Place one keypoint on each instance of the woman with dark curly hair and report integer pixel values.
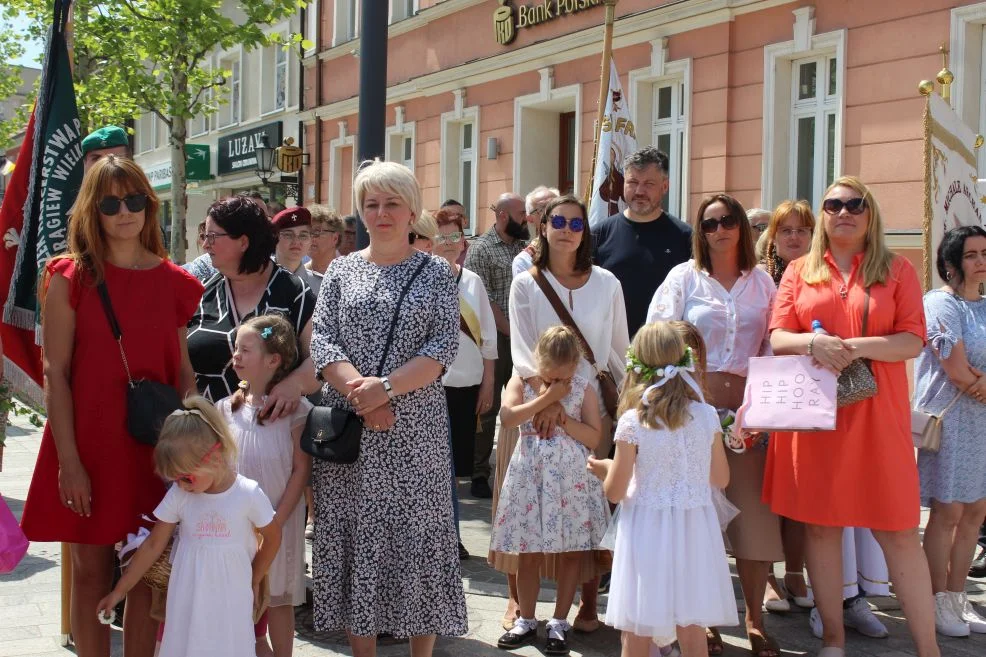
(240, 239)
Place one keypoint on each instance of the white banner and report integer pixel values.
(953, 194)
(617, 139)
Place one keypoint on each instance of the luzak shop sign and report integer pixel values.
(507, 19)
(237, 152)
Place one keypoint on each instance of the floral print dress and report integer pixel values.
(550, 502)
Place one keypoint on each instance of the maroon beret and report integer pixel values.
(292, 217)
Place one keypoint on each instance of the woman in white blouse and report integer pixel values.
(729, 299)
(469, 381)
(594, 299)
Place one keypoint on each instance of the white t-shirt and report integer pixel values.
(733, 324)
(467, 369)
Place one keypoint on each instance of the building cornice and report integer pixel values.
(630, 30)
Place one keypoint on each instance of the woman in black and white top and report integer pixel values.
(241, 240)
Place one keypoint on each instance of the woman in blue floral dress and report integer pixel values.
(953, 480)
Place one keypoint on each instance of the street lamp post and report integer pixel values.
(372, 92)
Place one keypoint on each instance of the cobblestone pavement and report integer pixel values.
(30, 599)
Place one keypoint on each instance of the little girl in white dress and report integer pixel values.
(549, 502)
(217, 568)
(670, 571)
(270, 452)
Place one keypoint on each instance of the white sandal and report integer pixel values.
(803, 602)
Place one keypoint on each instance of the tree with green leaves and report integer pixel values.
(10, 81)
(136, 57)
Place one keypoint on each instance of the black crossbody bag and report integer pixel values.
(149, 403)
(333, 434)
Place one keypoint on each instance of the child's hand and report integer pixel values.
(558, 390)
(106, 606)
(599, 467)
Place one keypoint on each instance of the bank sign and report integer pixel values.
(198, 163)
(237, 152)
(508, 19)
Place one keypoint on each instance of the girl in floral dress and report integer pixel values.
(549, 502)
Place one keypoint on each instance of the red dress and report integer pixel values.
(863, 474)
(151, 305)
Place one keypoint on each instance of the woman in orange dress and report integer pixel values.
(862, 474)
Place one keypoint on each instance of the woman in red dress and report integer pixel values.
(93, 481)
(862, 474)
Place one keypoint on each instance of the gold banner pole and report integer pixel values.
(603, 92)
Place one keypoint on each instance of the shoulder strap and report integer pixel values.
(104, 297)
(866, 311)
(464, 327)
(561, 311)
(397, 309)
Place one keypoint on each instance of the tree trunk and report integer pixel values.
(179, 194)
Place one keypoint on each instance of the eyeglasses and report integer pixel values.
(450, 238)
(288, 236)
(761, 227)
(210, 238)
(318, 233)
(711, 225)
(792, 232)
(412, 237)
(576, 224)
(853, 206)
(110, 205)
(189, 478)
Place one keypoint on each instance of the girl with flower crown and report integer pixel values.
(670, 574)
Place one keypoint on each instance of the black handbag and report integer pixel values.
(333, 434)
(149, 403)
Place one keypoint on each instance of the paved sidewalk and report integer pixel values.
(30, 599)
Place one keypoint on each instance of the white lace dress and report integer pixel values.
(549, 501)
(669, 564)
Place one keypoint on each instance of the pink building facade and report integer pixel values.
(762, 99)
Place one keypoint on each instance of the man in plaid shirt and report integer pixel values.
(490, 256)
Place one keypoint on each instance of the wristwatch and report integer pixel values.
(388, 388)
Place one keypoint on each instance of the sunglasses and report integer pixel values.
(576, 225)
(853, 206)
(451, 238)
(412, 237)
(189, 478)
(711, 225)
(110, 205)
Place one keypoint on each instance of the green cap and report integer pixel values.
(106, 137)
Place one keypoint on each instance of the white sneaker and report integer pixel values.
(860, 617)
(947, 620)
(963, 608)
(815, 623)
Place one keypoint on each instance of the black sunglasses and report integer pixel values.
(110, 205)
(728, 222)
(412, 237)
(576, 224)
(854, 205)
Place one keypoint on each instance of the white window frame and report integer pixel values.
(643, 85)
(778, 109)
(344, 140)
(235, 85)
(312, 24)
(402, 9)
(345, 21)
(968, 61)
(549, 99)
(269, 65)
(397, 135)
(147, 133)
(452, 152)
(820, 108)
(202, 119)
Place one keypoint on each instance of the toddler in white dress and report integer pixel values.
(670, 572)
(217, 568)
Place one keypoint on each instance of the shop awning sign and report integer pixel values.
(237, 152)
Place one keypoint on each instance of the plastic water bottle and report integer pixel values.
(816, 327)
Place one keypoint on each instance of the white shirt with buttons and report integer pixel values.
(733, 323)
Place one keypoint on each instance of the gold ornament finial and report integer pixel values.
(945, 77)
(979, 141)
(926, 87)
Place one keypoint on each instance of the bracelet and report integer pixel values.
(811, 343)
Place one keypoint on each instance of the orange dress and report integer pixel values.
(863, 474)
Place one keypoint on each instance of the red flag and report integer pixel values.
(22, 357)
